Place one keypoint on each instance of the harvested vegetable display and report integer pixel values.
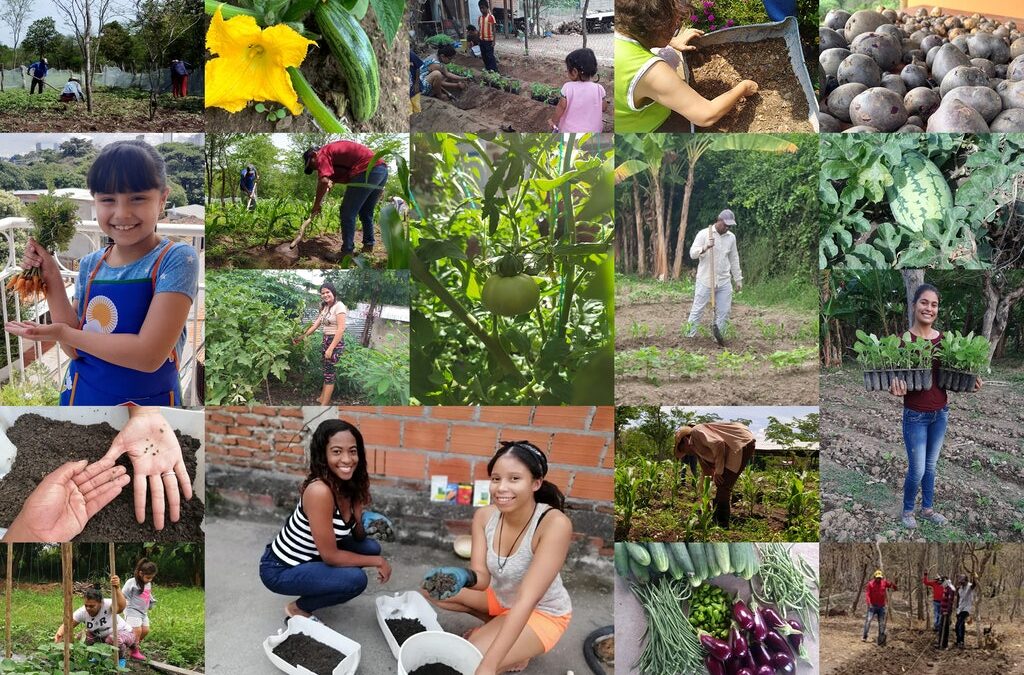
(55, 221)
(792, 586)
(709, 610)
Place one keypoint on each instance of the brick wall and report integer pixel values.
(406, 446)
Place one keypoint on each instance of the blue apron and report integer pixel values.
(119, 306)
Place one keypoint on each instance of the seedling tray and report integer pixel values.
(408, 605)
(320, 633)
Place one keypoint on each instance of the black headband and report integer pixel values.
(541, 459)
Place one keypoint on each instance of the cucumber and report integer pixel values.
(714, 566)
(678, 552)
(621, 560)
(638, 553)
(700, 562)
(738, 557)
(674, 567)
(356, 58)
(639, 571)
(659, 557)
(722, 551)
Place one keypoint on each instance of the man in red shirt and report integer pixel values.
(348, 162)
(485, 27)
(875, 594)
(937, 592)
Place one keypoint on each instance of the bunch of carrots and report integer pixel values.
(55, 221)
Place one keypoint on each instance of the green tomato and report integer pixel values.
(510, 296)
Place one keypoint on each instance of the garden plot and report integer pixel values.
(979, 486)
(112, 110)
(908, 652)
(769, 356)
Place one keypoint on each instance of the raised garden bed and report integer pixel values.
(301, 650)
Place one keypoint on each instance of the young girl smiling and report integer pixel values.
(125, 329)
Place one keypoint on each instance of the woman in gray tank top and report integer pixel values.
(512, 584)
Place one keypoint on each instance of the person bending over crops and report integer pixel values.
(722, 245)
(319, 553)
(876, 595)
(582, 103)
(138, 593)
(648, 88)
(125, 329)
(513, 584)
(348, 162)
(723, 449)
(72, 91)
(435, 80)
(925, 414)
(331, 318)
(96, 614)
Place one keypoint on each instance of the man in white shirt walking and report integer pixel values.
(721, 243)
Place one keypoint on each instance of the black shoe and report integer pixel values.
(367, 248)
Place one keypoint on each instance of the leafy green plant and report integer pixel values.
(770, 331)
(456, 69)
(869, 350)
(734, 362)
(440, 39)
(49, 658)
(749, 488)
(381, 374)
(918, 352)
(638, 330)
(964, 352)
(34, 387)
(791, 358)
(273, 114)
(542, 92)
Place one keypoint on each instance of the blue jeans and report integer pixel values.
(360, 200)
(922, 434)
(317, 584)
(874, 611)
(938, 613)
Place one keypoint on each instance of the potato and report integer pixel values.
(988, 46)
(914, 75)
(828, 124)
(1008, 121)
(1012, 94)
(883, 49)
(830, 60)
(922, 101)
(861, 129)
(863, 21)
(1015, 69)
(931, 41)
(962, 76)
(985, 66)
(894, 83)
(836, 19)
(859, 68)
(946, 59)
(828, 39)
(1017, 48)
(910, 129)
(839, 100)
(955, 116)
(880, 108)
(984, 100)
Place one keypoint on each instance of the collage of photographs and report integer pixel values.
(719, 303)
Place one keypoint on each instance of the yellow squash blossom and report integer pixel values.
(251, 62)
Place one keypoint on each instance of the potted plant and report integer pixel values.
(892, 359)
(513, 86)
(869, 354)
(538, 92)
(963, 357)
(919, 360)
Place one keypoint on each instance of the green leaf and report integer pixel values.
(430, 250)
(280, 113)
(389, 17)
(356, 8)
(260, 108)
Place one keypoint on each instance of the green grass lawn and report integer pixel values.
(177, 622)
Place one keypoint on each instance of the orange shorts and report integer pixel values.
(548, 627)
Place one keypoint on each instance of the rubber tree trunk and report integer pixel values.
(677, 264)
(641, 267)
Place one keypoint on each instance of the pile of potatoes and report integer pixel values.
(885, 71)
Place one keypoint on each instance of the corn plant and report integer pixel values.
(627, 489)
(796, 500)
(638, 330)
(703, 516)
(749, 488)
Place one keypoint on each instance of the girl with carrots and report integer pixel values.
(513, 584)
(125, 328)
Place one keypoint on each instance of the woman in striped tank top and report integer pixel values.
(319, 553)
(513, 584)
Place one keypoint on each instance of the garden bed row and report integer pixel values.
(538, 91)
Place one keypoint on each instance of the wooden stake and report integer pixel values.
(113, 604)
(7, 597)
(65, 565)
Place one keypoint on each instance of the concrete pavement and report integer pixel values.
(241, 612)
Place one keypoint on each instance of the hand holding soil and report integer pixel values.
(66, 499)
(442, 583)
(155, 453)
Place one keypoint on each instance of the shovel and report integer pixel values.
(714, 314)
(302, 231)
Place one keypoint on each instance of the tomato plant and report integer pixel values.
(511, 238)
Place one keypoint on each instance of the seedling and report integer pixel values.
(638, 330)
(273, 114)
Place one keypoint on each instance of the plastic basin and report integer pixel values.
(408, 605)
(452, 650)
(320, 633)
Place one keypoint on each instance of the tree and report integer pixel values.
(13, 13)
(85, 16)
(41, 35)
(911, 280)
(184, 163)
(159, 23)
(9, 205)
(117, 44)
(1002, 291)
(77, 147)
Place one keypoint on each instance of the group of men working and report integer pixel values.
(72, 90)
(945, 598)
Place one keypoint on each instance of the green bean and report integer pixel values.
(671, 642)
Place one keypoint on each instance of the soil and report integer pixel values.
(301, 650)
(605, 651)
(309, 254)
(289, 393)
(60, 119)
(403, 629)
(439, 584)
(44, 444)
(480, 108)
(321, 70)
(756, 383)
(435, 669)
(909, 652)
(979, 485)
(778, 105)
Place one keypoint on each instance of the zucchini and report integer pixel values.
(356, 58)
(659, 557)
(621, 560)
(700, 563)
(638, 553)
(678, 552)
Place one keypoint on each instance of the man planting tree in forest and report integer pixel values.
(875, 594)
(723, 449)
(714, 248)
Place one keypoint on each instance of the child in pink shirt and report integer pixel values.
(582, 103)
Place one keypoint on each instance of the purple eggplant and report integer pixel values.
(715, 667)
(772, 618)
(748, 661)
(743, 616)
(784, 663)
(777, 644)
(720, 650)
(761, 654)
(765, 670)
(737, 642)
(760, 629)
(796, 639)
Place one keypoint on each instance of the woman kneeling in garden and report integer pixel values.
(331, 319)
(321, 550)
(513, 582)
(96, 615)
(925, 414)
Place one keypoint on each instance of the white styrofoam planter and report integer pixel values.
(431, 647)
(408, 605)
(320, 633)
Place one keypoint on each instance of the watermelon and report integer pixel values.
(919, 192)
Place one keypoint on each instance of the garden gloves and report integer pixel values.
(378, 526)
(444, 582)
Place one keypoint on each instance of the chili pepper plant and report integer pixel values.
(512, 257)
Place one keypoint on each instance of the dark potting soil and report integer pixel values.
(778, 105)
(439, 584)
(435, 669)
(403, 629)
(44, 444)
(301, 650)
